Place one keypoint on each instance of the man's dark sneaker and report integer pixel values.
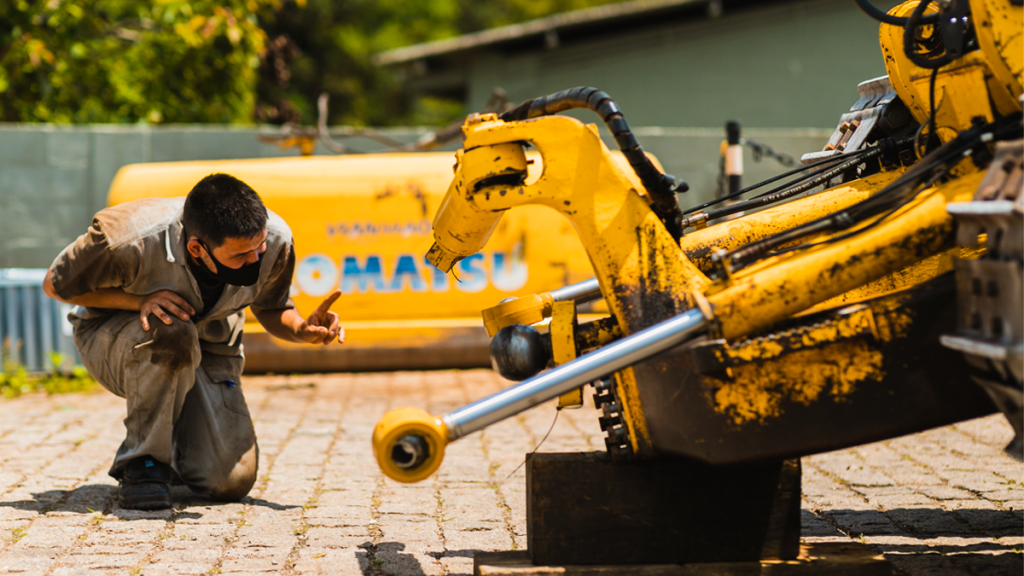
(145, 485)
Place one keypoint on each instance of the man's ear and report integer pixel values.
(194, 248)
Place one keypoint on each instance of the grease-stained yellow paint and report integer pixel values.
(758, 351)
(998, 25)
(587, 184)
(786, 285)
(757, 391)
(631, 252)
(923, 271)
(632, 415)
(858, 322)
(603, 335)
(731, 234)
(964, 89)
(819, 362)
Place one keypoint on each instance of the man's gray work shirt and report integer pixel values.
(140, 247)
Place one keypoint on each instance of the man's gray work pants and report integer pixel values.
(185, 407)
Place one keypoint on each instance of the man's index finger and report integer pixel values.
(327, 303)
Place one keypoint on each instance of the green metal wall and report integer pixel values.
(53, 179)
(787, 65)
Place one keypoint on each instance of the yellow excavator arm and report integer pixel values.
(804, 322)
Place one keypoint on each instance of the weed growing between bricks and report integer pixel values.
(16, 380)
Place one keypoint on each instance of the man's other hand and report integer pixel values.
(162, 304)
(323, 326)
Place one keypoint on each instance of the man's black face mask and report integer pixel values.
(247, 275)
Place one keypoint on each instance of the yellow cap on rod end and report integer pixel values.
(409, 444)
(528, 309)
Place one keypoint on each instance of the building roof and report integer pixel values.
(543, 27)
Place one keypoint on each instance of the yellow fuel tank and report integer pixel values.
(362, 224)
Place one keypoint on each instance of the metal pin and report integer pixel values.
(143, 345)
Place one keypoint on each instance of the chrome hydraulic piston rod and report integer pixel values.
(572, 375)
(580, 292)
(402, 426)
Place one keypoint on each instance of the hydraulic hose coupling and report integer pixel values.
(409, 444)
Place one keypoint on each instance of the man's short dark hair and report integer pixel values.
(221, 206)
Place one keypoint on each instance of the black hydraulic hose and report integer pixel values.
(661, 187)
(897, 192)
(886, 18)
(830, 160)
(771, 198)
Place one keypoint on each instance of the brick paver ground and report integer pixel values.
(946, 501)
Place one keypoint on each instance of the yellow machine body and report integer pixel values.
(860, 280)
(362, 224)
(632, 253)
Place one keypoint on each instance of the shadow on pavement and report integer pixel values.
(387, 557)
(93, 498)
(931, 540)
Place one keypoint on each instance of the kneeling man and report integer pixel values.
(161, 285)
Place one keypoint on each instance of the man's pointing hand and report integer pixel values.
(323, 326)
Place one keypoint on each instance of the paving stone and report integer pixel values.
(326, 537)
(993, 523)
(34, 560)
(267, 539)
(912, 475)
(396, 559)
(175, 569)
(341, 562)
(893, 500)
(814, 525)
(926, 520)
(208, 555)
(458, 562)
(868, 523)
(929, 564)
(255, 559)
(943, 492)
(50, 536)
(103, 549)
(321, 506)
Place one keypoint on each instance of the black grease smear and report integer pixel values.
(172, 346)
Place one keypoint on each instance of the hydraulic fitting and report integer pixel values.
(409, 444)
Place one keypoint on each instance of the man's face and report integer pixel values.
(233, 253)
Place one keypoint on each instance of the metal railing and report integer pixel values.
(32, 325)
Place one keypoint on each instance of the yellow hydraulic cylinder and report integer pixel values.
(789, 284)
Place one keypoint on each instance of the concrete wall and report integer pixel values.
(790, 65)
(53, 179)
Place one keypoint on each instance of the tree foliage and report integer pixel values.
(130, 60)
(328, 45)
(230, 61)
